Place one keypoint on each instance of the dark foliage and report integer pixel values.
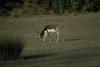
(36, 7)
(10, 48)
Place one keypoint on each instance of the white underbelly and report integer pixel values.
(51, 30)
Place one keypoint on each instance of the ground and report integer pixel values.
(79, 44)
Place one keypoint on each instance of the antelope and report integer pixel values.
(49, 29)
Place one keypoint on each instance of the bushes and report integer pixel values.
(3, 12)
(18, 8)
(90, 6)
(10, 48)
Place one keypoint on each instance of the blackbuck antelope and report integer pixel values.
(49, 29)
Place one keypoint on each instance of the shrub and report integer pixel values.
(10, 48)
(3, 12)
(90, 6)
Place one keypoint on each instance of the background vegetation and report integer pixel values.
(47, 7)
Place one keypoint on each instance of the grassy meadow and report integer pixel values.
(78, 46)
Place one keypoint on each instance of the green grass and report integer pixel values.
(79, 44)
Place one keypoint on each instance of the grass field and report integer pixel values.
(79, 44)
